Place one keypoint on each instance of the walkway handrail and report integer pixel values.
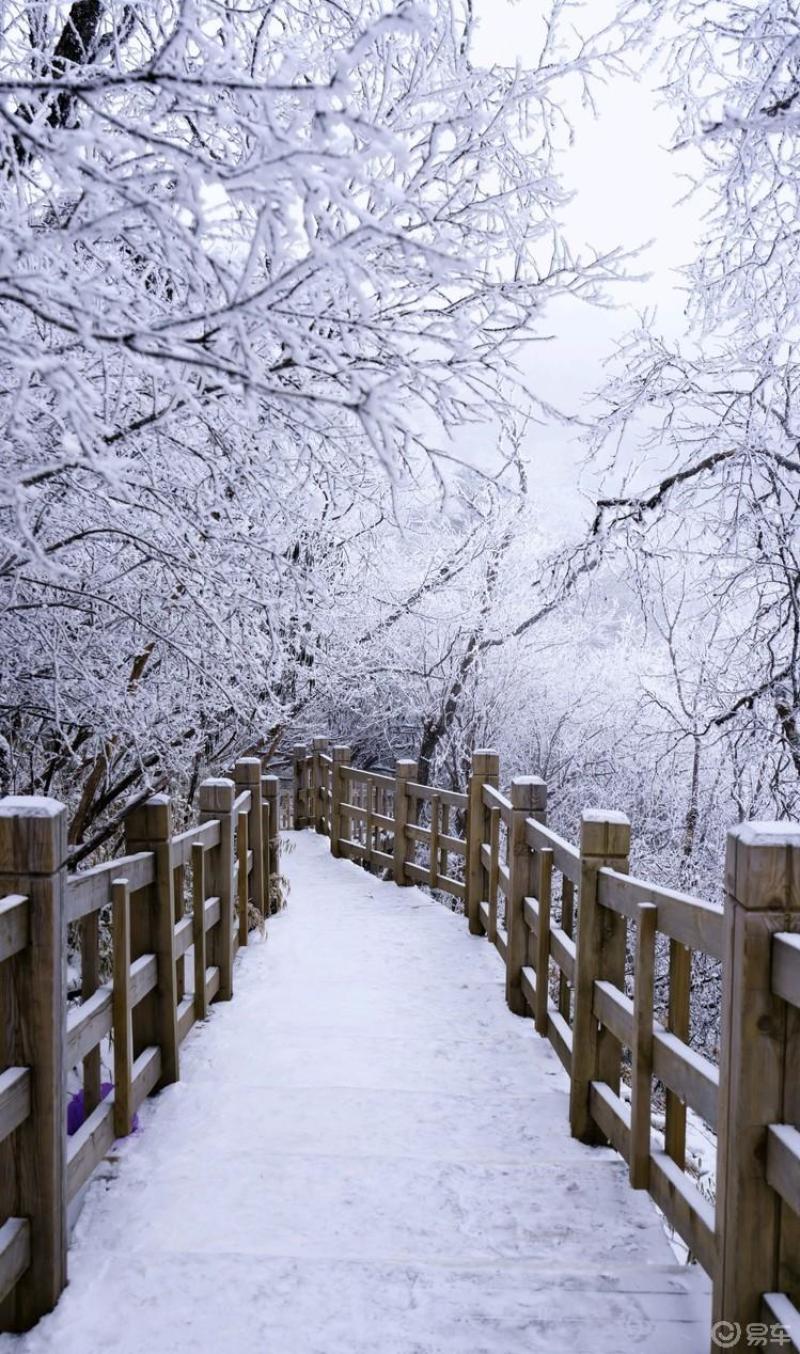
(167, 893)
(583, 944)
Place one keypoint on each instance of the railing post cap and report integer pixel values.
(341, 752)
(604, 832)
(299, 750)
(762, 866)
(529, 792)
(485, 761)
(217, 794)
(33, 834)
(271, 784)
(405, 768)
(320, 743)
(247, 771)
(151, 820)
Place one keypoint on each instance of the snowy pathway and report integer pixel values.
(367, 1152)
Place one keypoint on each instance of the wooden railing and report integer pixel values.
(583, 943)
(142, 1006)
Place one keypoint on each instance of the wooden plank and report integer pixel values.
(144, 977)
(91, 889)
(687, 1074)
(404, 814)
(87, 1147)
(351, 849)
(560, 1036)
(341, 755)
(530, 913)
(146, 1073)
(15, 1253)
(612, 1116)
(483, 914)
(562, 952)
(210, 913)
(453, 798)
(485, 770)
(87, 1025)
(454, 886)
(150, 825)
(783, 1163)
(212, 982)
(779, 1310)
(600, 954)
(493, 868)
(785, 970)
(206, 835)
(185, 1016)
(567, 930)
(544, 888)
(642, 1047)
(493, 799)
(418, 874)
(566, 857)
(385, 859)
(501, 943)
(183, 936)
(444, 836)
(90, 979)
(199, 930)
(14, 925)
(678, 1021)
(614, 1010)
(527, 982)
(243, 882)
(122, 1008)
(691, 921)
(433, 860)
(689, 1212)
(417, 834)
(15, 1099)
(216, 801)
(33, 849)
(453, 846)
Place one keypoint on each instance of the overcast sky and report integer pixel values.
(627, 186)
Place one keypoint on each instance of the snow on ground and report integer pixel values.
(367, 1154)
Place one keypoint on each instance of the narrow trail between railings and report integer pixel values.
(367, 1152)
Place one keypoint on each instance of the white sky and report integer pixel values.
(627, 186)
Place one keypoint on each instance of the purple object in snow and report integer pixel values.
(76, 1111)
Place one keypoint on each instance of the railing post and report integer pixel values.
(758, 1075)
(528, 800)
(247, 776)
(318, 745)
(216, 801)
(600, 954)
(299, 815)
(341, 755)
(33, 1007)
(155, 1020)
(485, 771)
(272, 836)
(405, 770)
